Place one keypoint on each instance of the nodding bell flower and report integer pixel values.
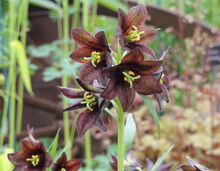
(63, 165)
(94, 52)
(192, 166)
(131, 31)
(132, 75)
(131, 164)
(91, 101)
(32, 156)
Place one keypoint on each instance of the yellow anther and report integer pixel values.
(63, 169)
(134, 35)
(125, 79)
(89, 96)
(35, 159)
(95, 58)
(131, 73)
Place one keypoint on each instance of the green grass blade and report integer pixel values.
(158, 162)
(53, 147)
(153, 112)
(45, 4)
(23, 66)
(113, 5)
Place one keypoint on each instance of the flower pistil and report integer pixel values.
(130, 77)
(90, 100)
(35, 159)
(95, 58)
(134, 35)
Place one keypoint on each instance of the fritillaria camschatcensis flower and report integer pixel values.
(62, 164)
(91, 101)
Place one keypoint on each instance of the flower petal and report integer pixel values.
(148, 36)
(83, 38)
(147, 85)
(121, 18)
(157, 96)
(61, 161)
(71, 92)
(147, 51)
(79, 54)
(75, 106)
(89, 87)
(136, 16)
(100, 36)
(89, 73)
(73, 165)
(126, 96)
(85, 121)
(18, 158)
(133, 56)
(165, 93)
(110, 90)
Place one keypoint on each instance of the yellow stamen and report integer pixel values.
(95, 58)
(63, 169)
(134, 35)
(90, 100)
(35, 159)
(130, 77)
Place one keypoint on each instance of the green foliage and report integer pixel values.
(45, 4)
(161, 159)
(129, 132)
(23, 66)
(113, 5)
(152, 110)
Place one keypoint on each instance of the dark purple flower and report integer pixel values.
(94, 52)
(32, 156)
(133, 165)
(132, 74)
(63, 165)
(162, 167)
(192, 166)
(130, 163)
(91, 101)
(131, 32)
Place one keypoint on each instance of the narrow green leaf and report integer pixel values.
(45, 4)
(53, 147)
(161, 159)
(113, 5)
(23, 65)
(152, 110)
(129, 132)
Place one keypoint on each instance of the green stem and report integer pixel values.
(20, 105)
(4, 117)
(119, 52)
(87, 136)
(94, 12)
(88, 150)
(64, 77)
(20, 82)
(12, 73)
(85, 14)
(120, 135)
(12, 85)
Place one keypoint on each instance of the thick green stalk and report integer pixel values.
(88, 150)
(20, 81)
(20, 105)
(12, 73)
(87, 136)
(64, 78)
(12, 85)
(94, 12)
(85, 14)
(4, 117)
(120, 136)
